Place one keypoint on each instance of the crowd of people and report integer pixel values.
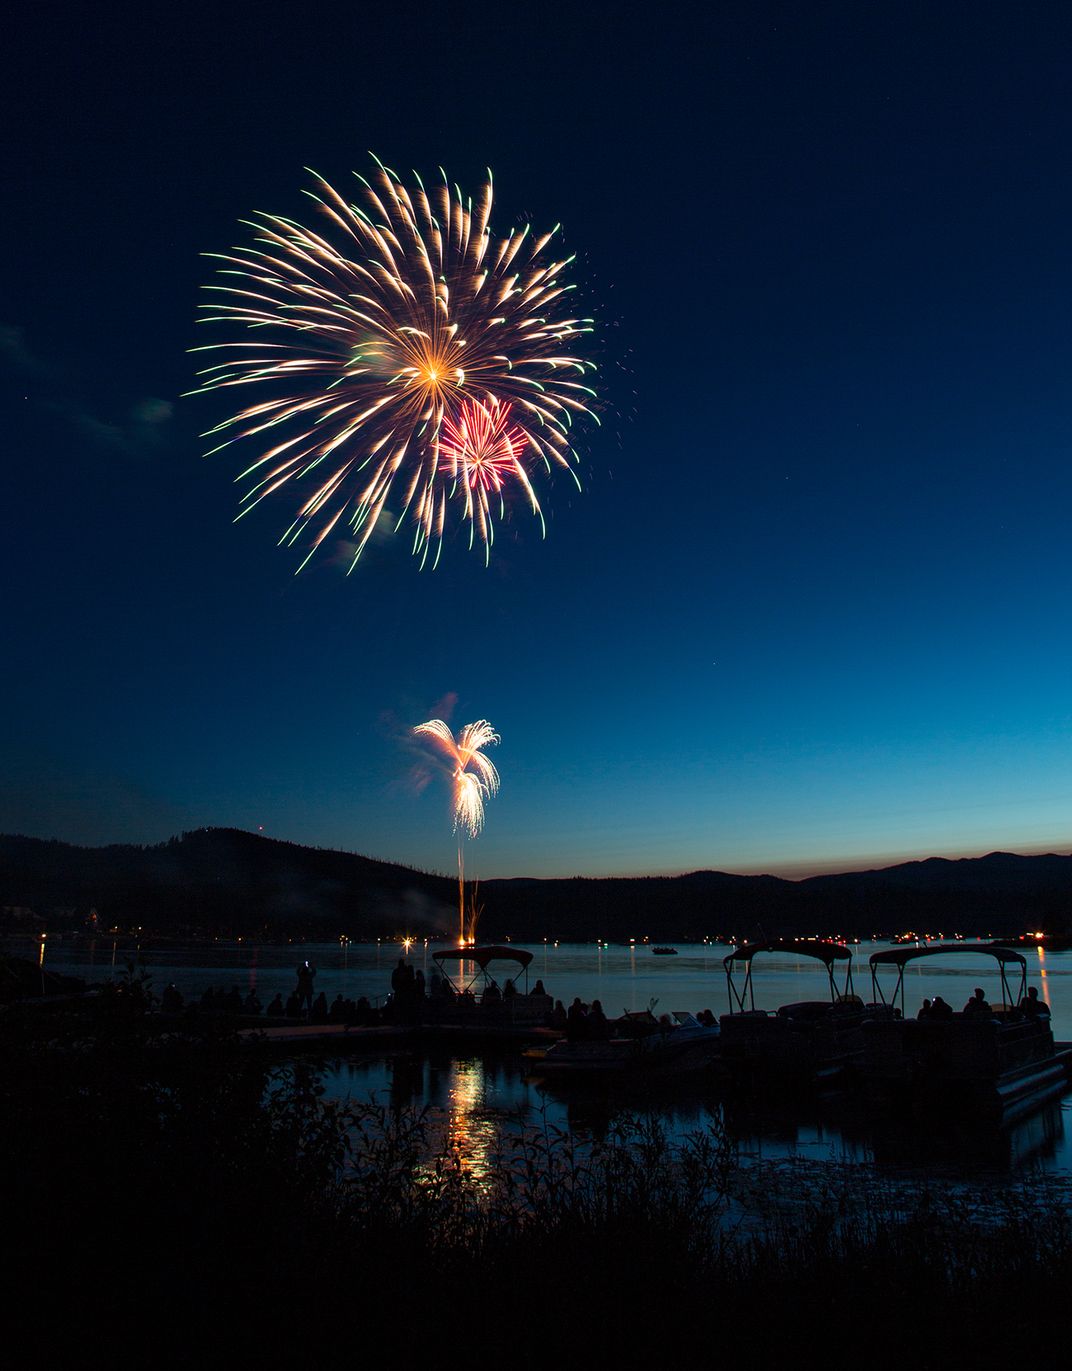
(413, 997)
(937, 1009)
(300, 1004)
(588, 1023)
(410, 992)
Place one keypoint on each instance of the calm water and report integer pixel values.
(624, 978)
(473, 1099)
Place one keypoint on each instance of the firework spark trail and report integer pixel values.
(404, 347)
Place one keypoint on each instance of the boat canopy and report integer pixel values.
(900, 957)
(483, 957)
(796, 947)
(828, 953)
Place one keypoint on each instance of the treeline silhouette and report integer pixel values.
(222, 881)
(227, 882)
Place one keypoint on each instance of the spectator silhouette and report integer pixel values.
(304, 988)
(977, 1004)
(576, 1023)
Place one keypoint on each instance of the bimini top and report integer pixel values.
(484, 955)
(826, 952)
(797, 947)
(901, 956)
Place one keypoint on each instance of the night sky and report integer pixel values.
(811, 608)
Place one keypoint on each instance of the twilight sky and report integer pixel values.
(811, 609)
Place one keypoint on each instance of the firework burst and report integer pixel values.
(473, 780)
(474, 777)
(484, 451)
(403, 355)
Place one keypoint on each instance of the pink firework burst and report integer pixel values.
(483, 451)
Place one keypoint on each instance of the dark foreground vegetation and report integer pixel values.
(171, 1195)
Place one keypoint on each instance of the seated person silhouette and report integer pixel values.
(1032, 1006)
(977, 1004)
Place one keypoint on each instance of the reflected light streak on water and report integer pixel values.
(470, 1132)
(1043, 978)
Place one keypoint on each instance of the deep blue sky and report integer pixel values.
(811, 609)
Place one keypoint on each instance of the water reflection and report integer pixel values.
(473, 1103)
(1034, 1143)
(468, 1102)
(472, 1099)
(843, 1130)
(471, 1133)
(1044, 979)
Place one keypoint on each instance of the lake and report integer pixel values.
(471, 1099)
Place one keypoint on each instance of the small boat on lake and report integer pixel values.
(997, 1062)
(664, 951)
(639, 1044)
(806, 1043)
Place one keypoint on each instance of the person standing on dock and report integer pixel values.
(304, 989)
(597, 1025)
(576, 1021)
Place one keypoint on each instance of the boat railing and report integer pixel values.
(964, 1046)
(465, 1008)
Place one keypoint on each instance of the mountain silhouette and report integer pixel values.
(226, 882)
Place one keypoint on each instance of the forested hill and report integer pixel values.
(227, 882)
(222, 880)
(1001, 894)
